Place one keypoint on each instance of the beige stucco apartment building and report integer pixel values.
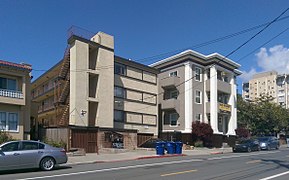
(15, 99)
(270, 84)
(196, 87)
(94, 99)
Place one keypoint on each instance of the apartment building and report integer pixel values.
(15, 99)
(267, 83)
(95, 99)
(196, 87)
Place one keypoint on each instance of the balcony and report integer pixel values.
(170, 81)
(45, 108)
(171, 104)
(11, 93)
(11, 97)
(221, 86)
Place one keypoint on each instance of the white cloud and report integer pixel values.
(246, 76)
(276, 58)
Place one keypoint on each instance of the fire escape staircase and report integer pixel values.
(62, 104)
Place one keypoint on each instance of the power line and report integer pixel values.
(236, 49)
(190, 47)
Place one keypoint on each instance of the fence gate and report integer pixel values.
(84, 138)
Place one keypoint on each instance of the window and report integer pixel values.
(2, 120)
(8, 121)
(118, 116)
(198, 117)
(29, 145)
(198, 95)
(6, 83)
(119, 92)
(10, 147)
(174, 94)
(119, 69)
(173, 74)
(198, 73)
(12, 121)
(173, 119)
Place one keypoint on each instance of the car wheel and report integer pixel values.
(277, 147)
(248, 149)
(47, 164)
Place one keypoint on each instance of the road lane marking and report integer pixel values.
(241, 155)
(253, 161)
(115, 169)
(177, 173)
(276, 175)
(144, 165)
(287, 156)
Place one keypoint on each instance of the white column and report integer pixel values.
(214, 99)
(188, 97)
(232, 101)
(205, 119)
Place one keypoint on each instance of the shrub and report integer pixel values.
(199, 144)
(242, 132)
(202, 132)
(59, 144)
(5, 137)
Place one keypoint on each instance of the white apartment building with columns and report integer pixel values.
(197, 87)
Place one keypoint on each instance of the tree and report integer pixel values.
(202, 132)
(262, 116)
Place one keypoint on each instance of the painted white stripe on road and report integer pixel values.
(274, 176)
(242, 155)
(115, 169)
(147, 165)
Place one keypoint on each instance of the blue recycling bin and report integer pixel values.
(171, 147)
(179, 147)
(160, 148)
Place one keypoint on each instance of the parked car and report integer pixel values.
(247, 145)
(150, 143)
(30, 154)
(268, 142)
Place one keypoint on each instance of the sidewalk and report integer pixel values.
(139, 154)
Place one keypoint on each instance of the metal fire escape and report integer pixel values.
(61, 92)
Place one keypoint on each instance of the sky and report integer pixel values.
(36, 31)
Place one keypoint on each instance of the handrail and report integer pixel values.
(11, 93)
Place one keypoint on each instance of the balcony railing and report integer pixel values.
(11, 93)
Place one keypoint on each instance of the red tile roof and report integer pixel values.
(15, 65)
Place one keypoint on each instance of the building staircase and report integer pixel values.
(62, 92)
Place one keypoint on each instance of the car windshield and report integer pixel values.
(245, 141)
(263, 139)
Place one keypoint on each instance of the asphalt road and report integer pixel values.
(262, 165)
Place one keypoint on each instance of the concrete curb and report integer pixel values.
(130, 159)
(161, 156)
(217, 153)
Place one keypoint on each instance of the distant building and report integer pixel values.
(196, 87)
(267, 83)
(94, 99)
(15, 99)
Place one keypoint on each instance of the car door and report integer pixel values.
(10, 156)
(30, 154)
